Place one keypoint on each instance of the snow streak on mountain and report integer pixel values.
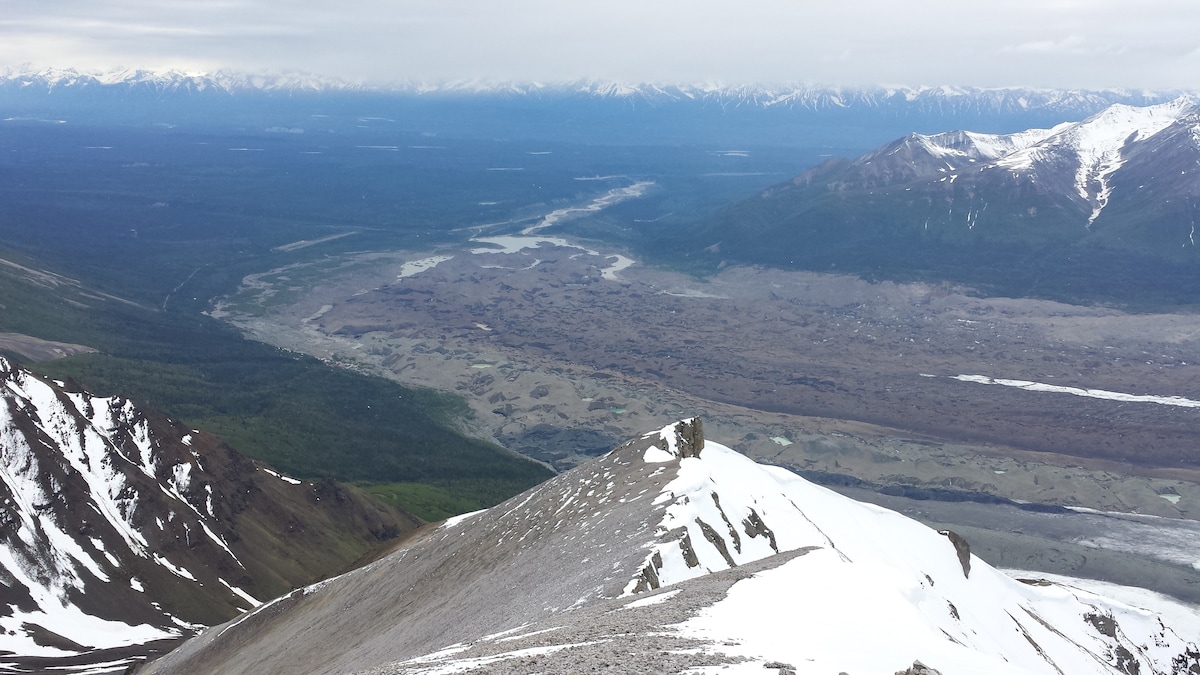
(673, 554)
(1096, 146)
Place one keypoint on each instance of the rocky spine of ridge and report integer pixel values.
(122, 532)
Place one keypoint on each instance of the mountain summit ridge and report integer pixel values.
(650, 560)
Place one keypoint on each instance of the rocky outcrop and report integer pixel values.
(690, 437)
(683, 440)
(961, 548)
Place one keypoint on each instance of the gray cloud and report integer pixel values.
(1061, 43)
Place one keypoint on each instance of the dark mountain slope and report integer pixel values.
(302, 416)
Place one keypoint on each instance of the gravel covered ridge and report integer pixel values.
(622, 635)
(573, 540)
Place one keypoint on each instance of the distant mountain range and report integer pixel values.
(677, 554)
(1106, 207)
(803, 96)
(121, 531)
(169, 80)
(592, 111)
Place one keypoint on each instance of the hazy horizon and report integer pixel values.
(1067, 44)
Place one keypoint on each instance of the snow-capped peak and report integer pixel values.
(44, 557)
(867, 574)
(973, 146)
(1099, 140)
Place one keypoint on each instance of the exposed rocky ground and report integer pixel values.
(604, 637)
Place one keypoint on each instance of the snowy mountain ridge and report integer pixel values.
(40, 555)
(52, 79)
(1094, 146)
(1098, 142)
(122, 532)
(674, 554)
(1099, 136)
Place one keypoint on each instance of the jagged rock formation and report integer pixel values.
(687, 441)
(122, 532)
(650, 561)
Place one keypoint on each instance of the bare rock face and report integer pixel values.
(690, 436)
(755, 527)
(688, 439)
(962, 548)
(648, 577)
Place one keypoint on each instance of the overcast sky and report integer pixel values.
(987, 43)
